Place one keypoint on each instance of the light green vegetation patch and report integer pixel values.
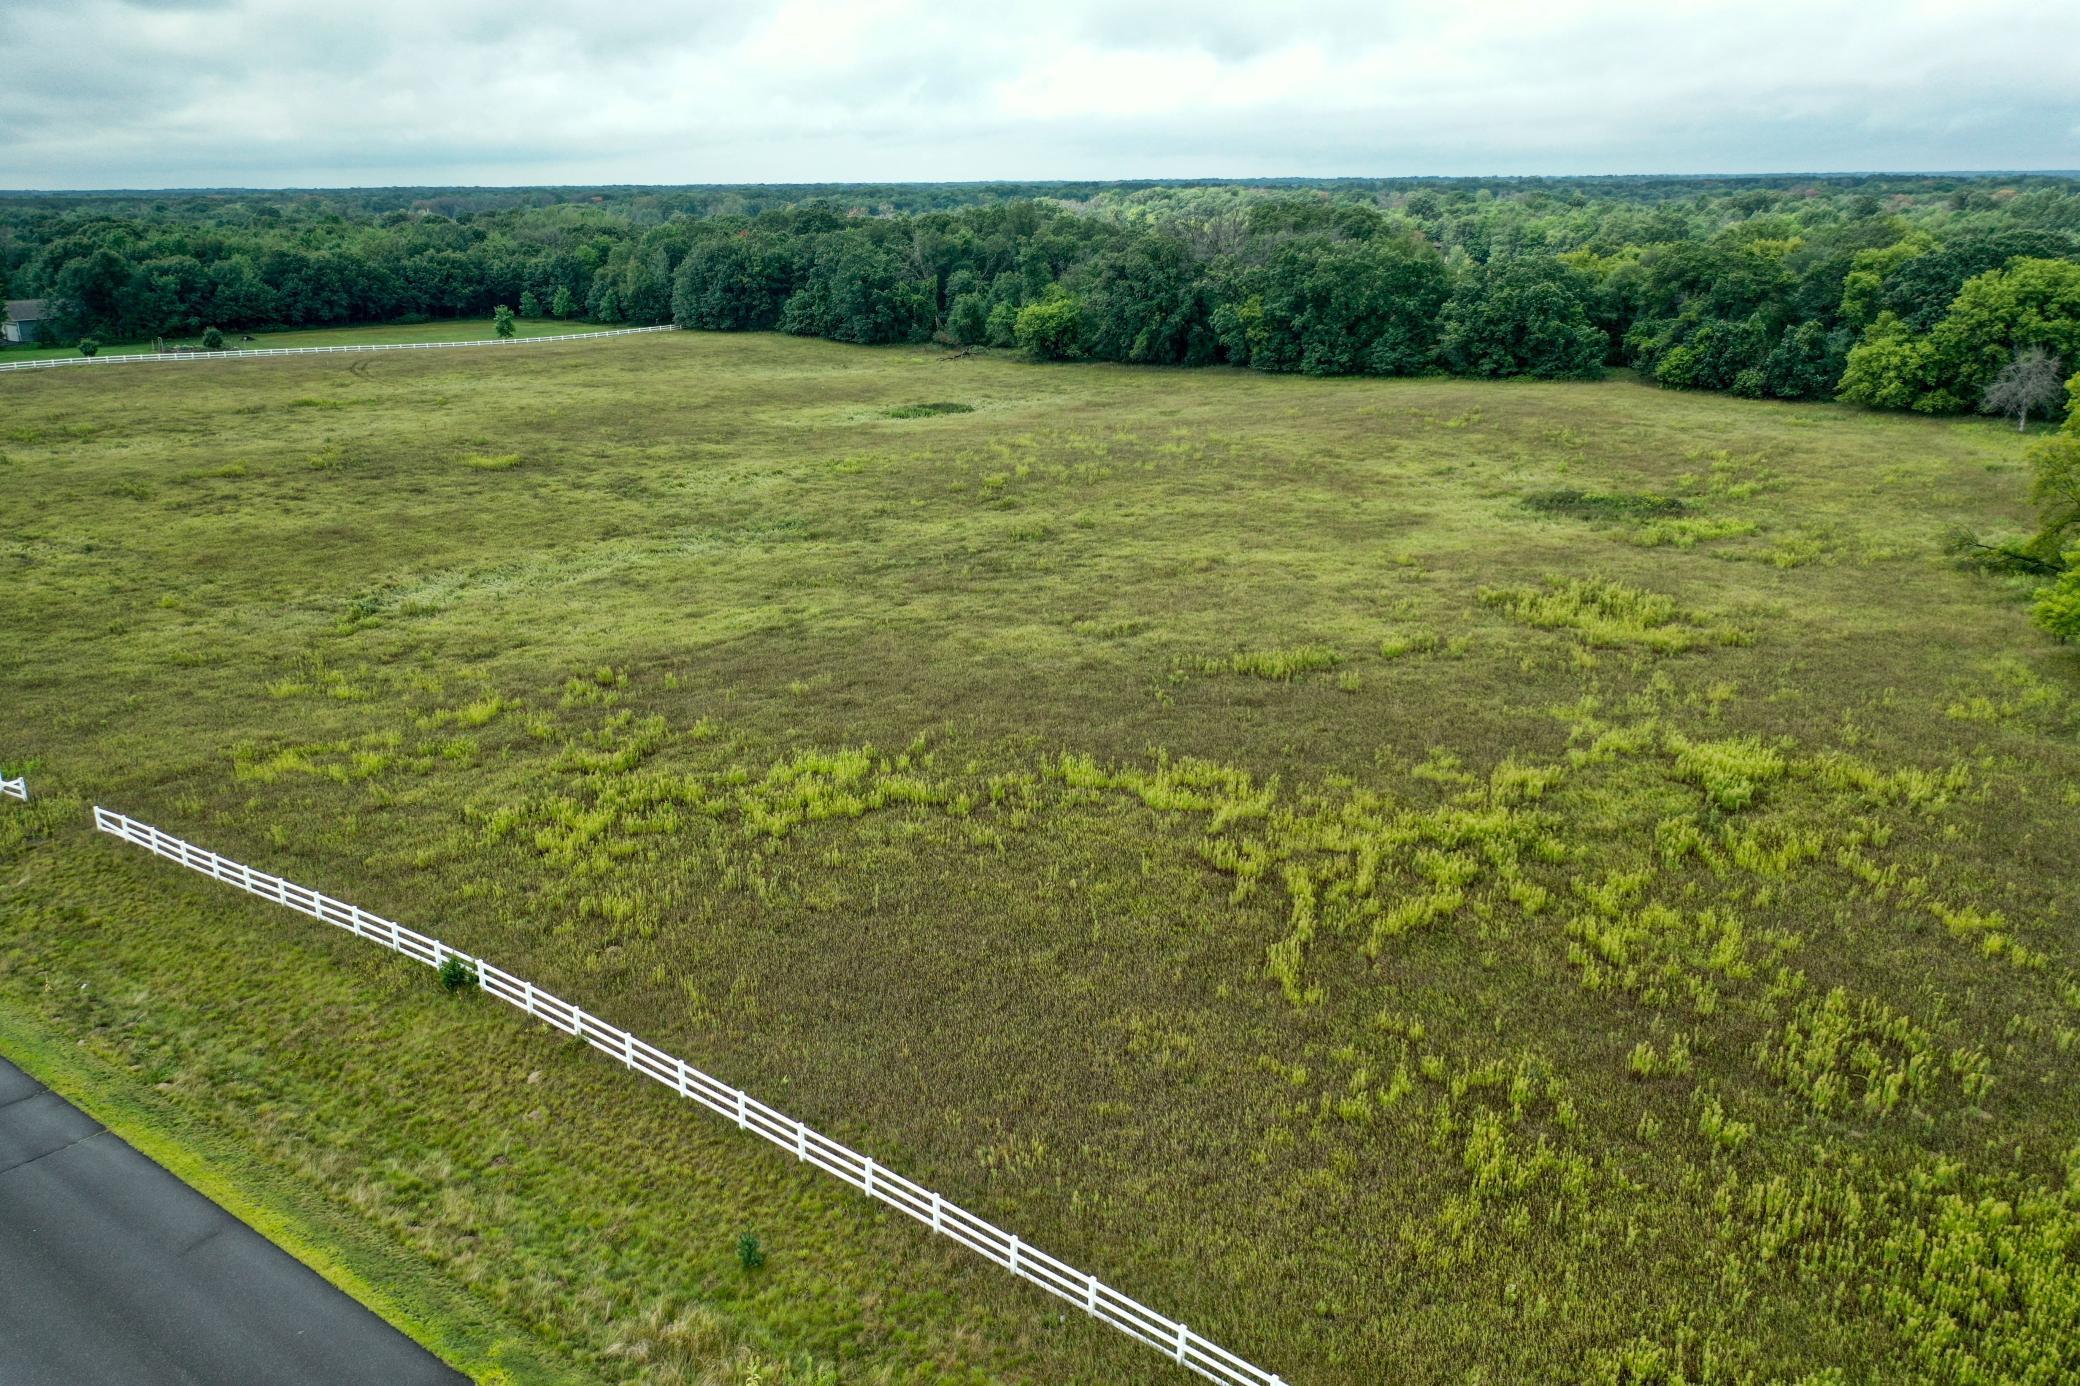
(1209, 824)
(1606, 613)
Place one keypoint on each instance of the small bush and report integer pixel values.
(212, 340)
(1730, 772)
(1609, 614)
(457, 973)
(750, 1255)
(1619, 505)
(2057, 607)
(1281, 664)
(88, 346)
(926, 411)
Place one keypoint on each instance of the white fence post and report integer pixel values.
(16, 788)
(943, 1218)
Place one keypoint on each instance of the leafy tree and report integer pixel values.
(2056, 491)
(2056, 486)
(1754, 286)
(858, 291)
(87, 294)
(212, 340)
(732, 283)
(1717, 355)
(1338, 308)
(1051, 329)
(2032, 303)
(1522, 317)
(88, 346)
(1921, 287)
(502, 321)
(1003, 325)
(1893, 367)
(967, 321)
(2057, 608)
(1806, 362)
(237, 295)
(1146, 303)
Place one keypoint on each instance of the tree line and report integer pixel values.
(1912, 293)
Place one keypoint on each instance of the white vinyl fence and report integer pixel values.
(135, 357)
(1085, 1291)
(16, 788)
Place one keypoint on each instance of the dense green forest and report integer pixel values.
(1901, 292)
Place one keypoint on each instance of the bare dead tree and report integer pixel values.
(2034, 380)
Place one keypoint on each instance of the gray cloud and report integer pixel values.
(139, 93)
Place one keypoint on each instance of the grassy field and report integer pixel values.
(1429, 881)
(443, 330)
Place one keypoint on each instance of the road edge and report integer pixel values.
(415, 1300)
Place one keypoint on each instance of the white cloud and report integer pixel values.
(136, 93)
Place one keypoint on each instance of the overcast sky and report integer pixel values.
(171, 93)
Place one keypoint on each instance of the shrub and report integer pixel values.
(967, 320)
(88, 346)
(750, 1255)
(1617, 505)
(926, 411)
(1003, 325)
(457, 973)
(1608, 614)
(212, 340)
(502, 321)
(1052, 330)
(1730, 772)
(1281, 663)
(2058, 606)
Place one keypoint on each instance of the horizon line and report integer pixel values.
(1182, 179)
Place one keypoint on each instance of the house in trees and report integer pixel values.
(24, 320)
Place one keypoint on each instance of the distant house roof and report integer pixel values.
(26, 309)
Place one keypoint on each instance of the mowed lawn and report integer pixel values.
(1426, 881)
(440, 330)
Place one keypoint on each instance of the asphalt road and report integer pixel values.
(113, 1272)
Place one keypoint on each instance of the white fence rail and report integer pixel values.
(135, 357)
(16, 788)
(876, 1181)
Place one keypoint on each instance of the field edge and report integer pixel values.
(417, 1302)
